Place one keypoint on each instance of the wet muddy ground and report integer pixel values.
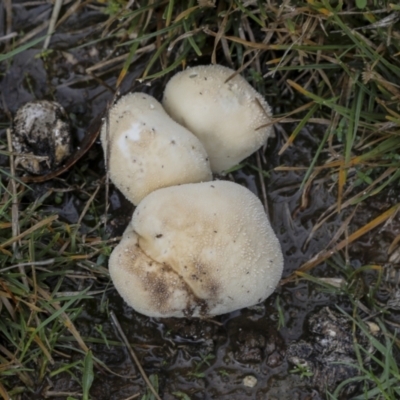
(242, 355)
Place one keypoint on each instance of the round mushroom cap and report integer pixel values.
(197, 250)
(229, 116)
(149, 150)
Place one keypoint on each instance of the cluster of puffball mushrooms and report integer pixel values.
(194, 247)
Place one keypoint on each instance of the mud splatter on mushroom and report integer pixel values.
(170, 262)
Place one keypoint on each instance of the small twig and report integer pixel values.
(8, 37)
(8, 8)
(219, 35)
(327, 253)
(133, 355)
(183, 36)
(28, 264)
(14, 360)
(62, 394)
(52, 24)
(133, 397)
(14, 209)
(287, 51)
(71, 10)
(146, 49)
(33, 228)
(9, 307)
(3, 392)
(87, 205)
(35, 31)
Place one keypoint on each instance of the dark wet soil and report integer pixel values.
(203, 359)
(328, 357)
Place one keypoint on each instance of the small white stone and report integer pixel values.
(373, 327)
(250, 381)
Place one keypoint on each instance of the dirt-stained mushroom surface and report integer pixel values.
(197, 250)
(41, 136)
(231, 119)
(148, 150)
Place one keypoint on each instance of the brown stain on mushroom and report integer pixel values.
(190, 257)
(159, 282)
(162, 293)
(189, 281)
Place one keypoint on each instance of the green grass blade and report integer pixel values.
(22, 48)
(88, 375)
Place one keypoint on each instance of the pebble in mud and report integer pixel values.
(328, 355)
(41, 136)
(250, 381)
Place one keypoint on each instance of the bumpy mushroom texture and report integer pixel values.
(229, 116)
(41, 136)
(197, 250)
(149, 150)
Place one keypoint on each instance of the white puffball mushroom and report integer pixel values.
(149, 150)
(197, 250)
(229, 116)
